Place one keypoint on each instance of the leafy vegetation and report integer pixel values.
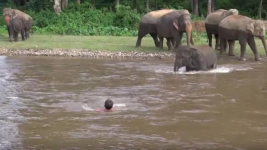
(104, 18)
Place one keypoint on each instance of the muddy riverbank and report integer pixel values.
(87, 53)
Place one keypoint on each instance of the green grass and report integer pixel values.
(106, 43)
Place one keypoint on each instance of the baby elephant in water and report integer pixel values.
(199, 57)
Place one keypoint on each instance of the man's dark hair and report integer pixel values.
(108, 104)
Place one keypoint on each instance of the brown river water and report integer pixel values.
(50, 103)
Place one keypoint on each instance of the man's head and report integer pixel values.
(108, 104)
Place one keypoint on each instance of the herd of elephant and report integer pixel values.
(226, 25)
(17, 22)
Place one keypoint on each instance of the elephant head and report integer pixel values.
(6, 15)
(183, 23)
(229, 13)
(6, 11)
(257, 29)
(189, 57)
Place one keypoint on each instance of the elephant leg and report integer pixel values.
(138, 42)
(178, 39)
(161, 42)
(141, 34)
(22, 32)
(191, 39)
(231, 47)
(187, 69)
(169, 43)
(16, 36)
(11, 35)
(225, 45)
(27, 33)
(222, 45)
(155, 38)
(217, 45)
(243, 45)
(210, 39)
(252, 45)
(214, 66)
(173, 42)
(8, 30)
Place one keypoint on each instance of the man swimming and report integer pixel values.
(108, 106)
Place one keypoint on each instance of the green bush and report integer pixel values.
(83, 19)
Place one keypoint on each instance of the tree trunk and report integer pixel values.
(209, 7)
(57, 6)
(23, 2)
(134, 4)
(117, 2)
(79, 1)
(93, 3)
(196, 8)
(260, 8)
(64, 4)
(147, 5)
(212, 5)
(192, 6)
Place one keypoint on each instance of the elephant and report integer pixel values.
(212, 22)
(195, 58)
(27, 20)
(16, 26)
(147, 25)
(172, 25)
(243, 29)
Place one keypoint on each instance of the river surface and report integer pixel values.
(50, 103)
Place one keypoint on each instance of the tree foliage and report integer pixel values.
(114, 17)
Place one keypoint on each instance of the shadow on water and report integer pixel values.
(50, 103)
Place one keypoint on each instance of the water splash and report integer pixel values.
(219, 69)
(13, 97)
(87, 108)
(119, 105)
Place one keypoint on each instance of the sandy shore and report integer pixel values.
(87, 53)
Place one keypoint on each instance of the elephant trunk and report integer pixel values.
(188, 30)
(264, 44)
(6, 19)
(177, 64)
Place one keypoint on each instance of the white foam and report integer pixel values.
(119, 105)
(12, 97)
(219, 69)
(87, 108)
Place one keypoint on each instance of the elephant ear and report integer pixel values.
(176, 24)
(250, 27)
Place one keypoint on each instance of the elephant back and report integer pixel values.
(208, 53)
(173, 15)
(153, 16)
(214, 18)
(235, 22)
(219, 10)
(20, 14)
